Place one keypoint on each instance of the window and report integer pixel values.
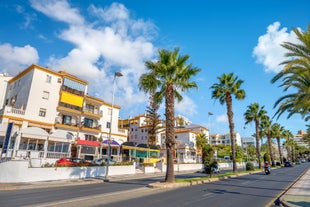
(48, 78)
(42, 112)
(66, 120)
(90, 137)
(88, 122)
(108, 125)
(59, 80)
(46, 95)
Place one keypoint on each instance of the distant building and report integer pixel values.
(299, 138)
(224, 139)
(246, 141)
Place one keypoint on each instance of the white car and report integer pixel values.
(103, 160)
(216, 169)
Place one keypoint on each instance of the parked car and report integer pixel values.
(65, 162)
(103, 160)
(303, 160)
(80, 162)
(71, 162)
(288, 164)
(216, 169)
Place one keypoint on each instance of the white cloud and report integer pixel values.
(59, 10)
(269, 51)
(16, 59)
(187, 106)
(112, 41)
(222, 118)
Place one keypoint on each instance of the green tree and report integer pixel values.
(266, 130)
(152, 120)
(287, 134)
(166, 76)
(296, 75)
(254, 113)
(277, 132)
(229, 85)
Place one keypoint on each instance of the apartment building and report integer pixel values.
(246, 141)
(52, 116)
(224, 139)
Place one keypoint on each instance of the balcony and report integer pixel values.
(66, 126)
(92, 113)
(95, 129)
(11, 111)
(72, 110)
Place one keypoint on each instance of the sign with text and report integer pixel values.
(7, 138)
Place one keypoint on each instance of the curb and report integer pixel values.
(165, 185)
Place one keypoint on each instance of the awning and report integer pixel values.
(88, 143)
(113, 142)
(34, 132)
(61, 136)
(72, 99)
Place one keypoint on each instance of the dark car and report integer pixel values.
(288, 164)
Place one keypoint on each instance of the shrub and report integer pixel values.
(278, 164)
(249, 166)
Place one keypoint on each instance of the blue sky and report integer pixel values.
(93, 39)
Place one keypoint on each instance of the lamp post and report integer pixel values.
(209, 114)
(116, 74)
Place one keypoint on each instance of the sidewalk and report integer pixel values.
(298, 195)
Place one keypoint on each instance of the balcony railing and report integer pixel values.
(12, 110)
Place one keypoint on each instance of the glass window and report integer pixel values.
(108, 125)
(46, 95)
(48, 78)
(88, 122)
(66, 120)
(42, 112)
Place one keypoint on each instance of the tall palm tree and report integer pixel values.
(287, 134)
(255, 113)
(277, 131)
(296, 74)
(228, 86)
(266, 130)
(166, 76)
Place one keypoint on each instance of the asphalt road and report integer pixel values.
(250, 190)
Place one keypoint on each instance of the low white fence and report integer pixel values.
(16, 171)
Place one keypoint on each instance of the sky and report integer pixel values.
(93, 39)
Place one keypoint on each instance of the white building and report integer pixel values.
(54, 117)
(224, 139)
(246, 141)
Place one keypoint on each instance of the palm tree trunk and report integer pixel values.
(170, 141)
(257, 143)
(270, 150)
(280, 151)
(230, 116)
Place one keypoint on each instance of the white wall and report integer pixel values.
(19, 171)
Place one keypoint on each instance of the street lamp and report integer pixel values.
(116, 74)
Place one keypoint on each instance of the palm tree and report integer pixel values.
(296, 74)
(287, 134)
(266, 130)
(277, 132)
(229, 85)
(166, 76)
(255, 113)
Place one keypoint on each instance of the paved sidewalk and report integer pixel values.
(298, 195)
